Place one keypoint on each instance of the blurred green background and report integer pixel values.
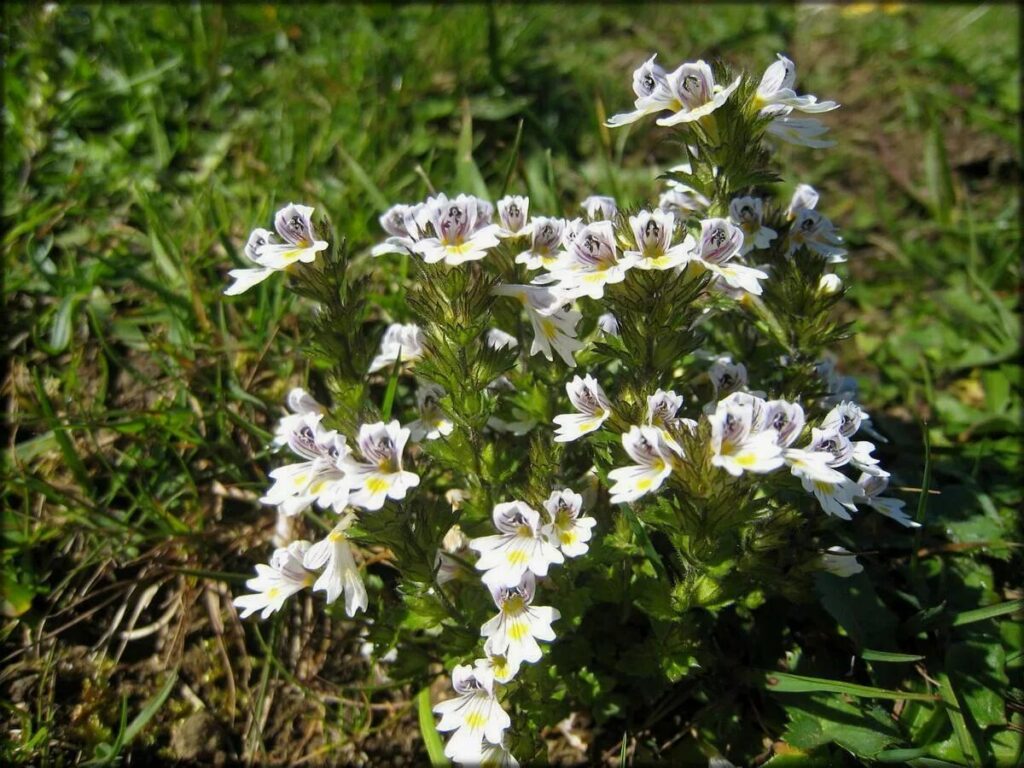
(141, 145)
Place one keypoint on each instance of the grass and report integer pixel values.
(140, 147)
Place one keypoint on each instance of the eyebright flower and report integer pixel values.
(650, 84)
(727, 376)
(340, 575)
(720, 241)
(805, 197)
(457, 238)
(545, 243)
(514, 632)
(497, 756)
(787, 419)
(816, 233)
(589, 399)
(653, 457)
(432, 423)
(401, 222)
(399, 341)
(497, 668)
(737, 444)
(320, 478)
(600, 208)
(474, 715)
(567, 530)
(776, 96)
(871, 488)
(840, 562)
(276, 582)
(498, 339)
(834, 491)
(695, 93)
(802, 131)
(295, 227)
(379, 474)
(834, 443)
(517, 548)
(591, 263)
(553, 326)
(652, 231)
(748, 214)
(299, 402)
(846, 418)
(512, 213)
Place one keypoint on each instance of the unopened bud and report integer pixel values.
(830, 284)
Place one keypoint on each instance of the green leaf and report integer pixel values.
(819, 720)
(988, 612)
(869, 655)
(855, 605)
(978, 672)
(467, 175)
(428, 729)
(956, 718)
(784, 682)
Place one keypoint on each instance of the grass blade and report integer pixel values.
(428, 729)
(783, 682)
(869, 655)
(988, 612)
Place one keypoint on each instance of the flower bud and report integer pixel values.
(830, 284)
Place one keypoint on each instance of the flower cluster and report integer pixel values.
(528, 542)
(630, 293)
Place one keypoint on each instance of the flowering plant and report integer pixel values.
(587, 552)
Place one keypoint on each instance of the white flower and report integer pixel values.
(590, 401)
(591, 262)
(295, 227)
(846, 417)
(608, 324)
(787, 419)
(497, 756)
(653, 457)
(748, 214)
(720, 241)
(401, 223)
(299, 402)
(652, 231)
(495, 668)
(512, 213)
(830, 284)
(682, 199)
(727, 376)
(864, 461)
(379, 474)
(514, 632)
(474, 714)
(276, 582)
(840, 562)
(776, 96)
(805, 197)
(320, 478)
(457, 238)
(816, 233)
(662, 408)
(871, 487)
(432, 423)
(600, 208)
(517, 548)
(802, 131)
(737, 442)
(650, 84)
(834, 491)
(498, 339)
(567, 530)
(545, 243)
(399, 341)
(832, 442)
(695, 93)
(340, 575)
(553, 326)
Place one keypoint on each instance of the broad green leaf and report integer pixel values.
(428, 729)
